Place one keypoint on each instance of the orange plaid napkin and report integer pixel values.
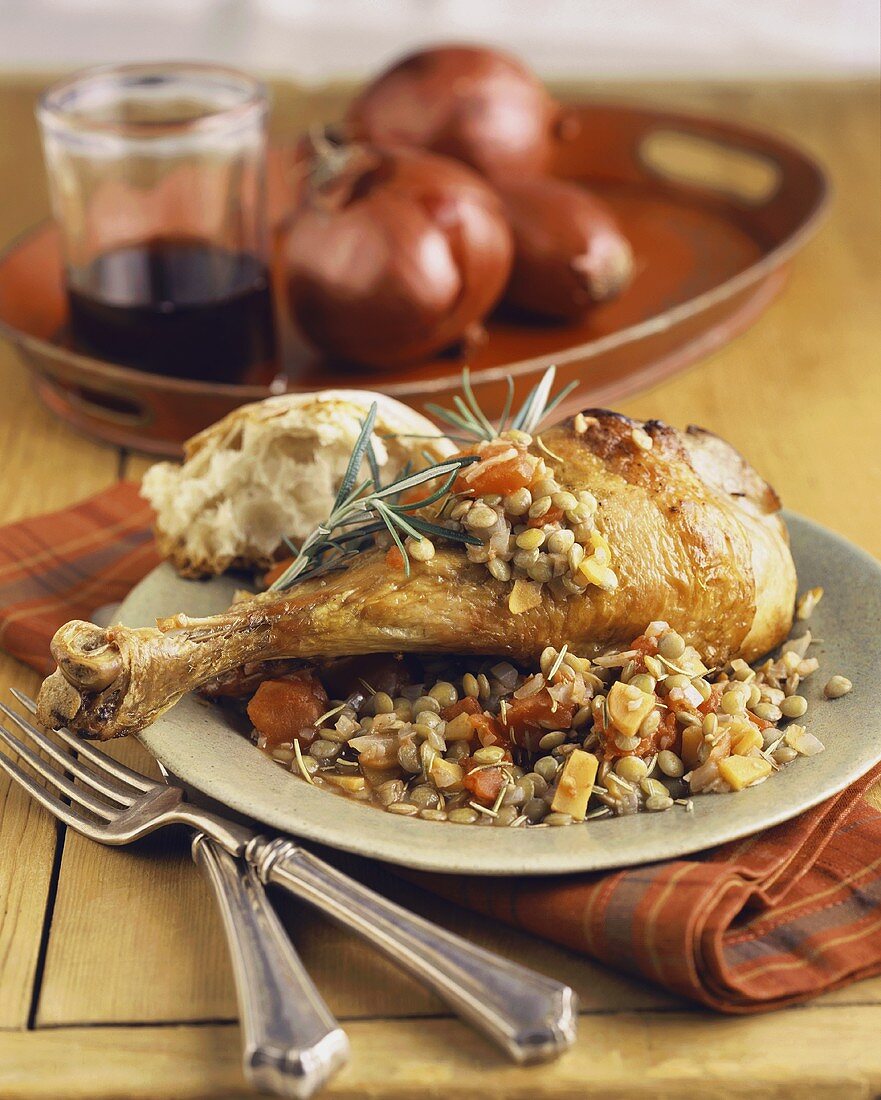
(754, 925)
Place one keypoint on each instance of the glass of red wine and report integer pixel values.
(157, 179)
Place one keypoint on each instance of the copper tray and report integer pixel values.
(715, 212)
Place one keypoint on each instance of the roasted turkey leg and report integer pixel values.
(695, 537)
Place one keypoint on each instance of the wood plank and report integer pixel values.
(27, 848)
(141, 910)
(44, 467)
(625, 1055)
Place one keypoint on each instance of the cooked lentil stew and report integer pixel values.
(572, 740)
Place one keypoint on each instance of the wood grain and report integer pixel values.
(623, 1057)
(43, 468)
(133, 937)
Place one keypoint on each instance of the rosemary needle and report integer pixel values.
(362, 509)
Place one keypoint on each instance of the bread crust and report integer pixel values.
(252, 464)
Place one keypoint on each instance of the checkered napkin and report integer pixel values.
(748, 927)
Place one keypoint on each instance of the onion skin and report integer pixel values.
(395, 257)
(569, 252)
(476, 105)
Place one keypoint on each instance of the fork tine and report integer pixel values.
(98, 758)
(58, 779)
(110, 787)
(55, 806)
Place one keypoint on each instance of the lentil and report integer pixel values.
(671, 646)
(794, 707)
(631, 768)
(499, 569)
(546, 767)
(837, 686)
(518, 502)
(480, 516)
(444, 693)
(767, 712)
(539, 784)
(404, 809)
(419, 549)
(670, 764)
(383, 703)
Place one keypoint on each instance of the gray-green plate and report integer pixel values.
(195, 742)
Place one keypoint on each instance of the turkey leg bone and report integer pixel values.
(695, 538)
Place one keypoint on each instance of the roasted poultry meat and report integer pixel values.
(697, 542)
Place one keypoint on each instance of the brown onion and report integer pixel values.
(474, 104)
(568, 249)
(393, 254)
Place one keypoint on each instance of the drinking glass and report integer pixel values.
(157, 180)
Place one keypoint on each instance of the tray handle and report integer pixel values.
(103, 407)
(686, 157)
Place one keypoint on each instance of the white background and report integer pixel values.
(315, 40)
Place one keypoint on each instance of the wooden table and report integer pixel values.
(114, 980)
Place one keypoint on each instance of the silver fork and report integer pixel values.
(533, 1018)
(292, 1043)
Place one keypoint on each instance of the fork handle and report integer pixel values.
(533, 1018)
(293, 1044)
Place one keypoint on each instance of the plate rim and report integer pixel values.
(690, 838)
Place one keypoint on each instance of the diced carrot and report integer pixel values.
(281, 709)
(394, 558)
(759, 723)
(489, 730)
(464, 706)
(644, 645)
(552, 515)
(665, 736)
(528, 720)
(503, 477)
(484, 784)
(711, 705)
(599, 715)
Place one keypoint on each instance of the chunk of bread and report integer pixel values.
(271, 470)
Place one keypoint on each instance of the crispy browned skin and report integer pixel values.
(695, 537)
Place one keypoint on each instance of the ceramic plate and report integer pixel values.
(195, 742)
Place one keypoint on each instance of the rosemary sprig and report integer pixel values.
(470, 420)
(361, 510)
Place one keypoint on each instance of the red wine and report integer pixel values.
(177, 306)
